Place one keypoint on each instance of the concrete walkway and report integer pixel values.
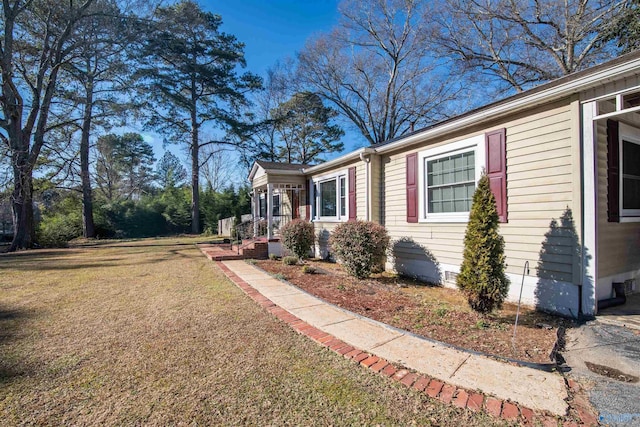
(627, 315)
(617, 348)
(531, 388)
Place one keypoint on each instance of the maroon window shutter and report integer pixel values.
(307, 213)
(496, 145)
(412, 187)
(352, 194)
(613, 171)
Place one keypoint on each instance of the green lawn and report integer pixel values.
(150, 332)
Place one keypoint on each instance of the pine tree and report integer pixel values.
(482, 277)
(191, 79)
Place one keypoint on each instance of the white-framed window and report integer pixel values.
(262, 205)
(330, 197)
(275, 206)
(448, 176)
(629, 171)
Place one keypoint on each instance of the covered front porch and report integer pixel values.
(278, 196)
(275, 205)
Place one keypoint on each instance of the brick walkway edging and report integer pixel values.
(436, 389)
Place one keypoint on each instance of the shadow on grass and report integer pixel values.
(60, 265)
(37, 253)
(140, 246)
(12, 321)
(531, 318)
(74, 259)
(134, 243)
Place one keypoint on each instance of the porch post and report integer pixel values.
(255, 207)
(269, 210)
(589, 209)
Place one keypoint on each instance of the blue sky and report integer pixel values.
(271, 30)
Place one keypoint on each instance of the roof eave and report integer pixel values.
(284, 172)
(254, 170)
(353, 155)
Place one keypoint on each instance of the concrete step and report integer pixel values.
(253, 250)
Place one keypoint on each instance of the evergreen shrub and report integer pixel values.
(482, 274)
(55, 231)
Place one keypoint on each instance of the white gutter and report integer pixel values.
(366, 158)
(284, 171)
(354, 155)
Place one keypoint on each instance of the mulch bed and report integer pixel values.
(431, 311)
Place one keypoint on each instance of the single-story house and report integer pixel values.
(564, 165)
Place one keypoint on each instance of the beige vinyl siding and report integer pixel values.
(286, 179)
(361, 189)
(612, 87)
(375, 178)
(260, 181)
(285, 203)
(323, 231)
(618, 243)
(540, 187)
(271, 178)
(324, 228)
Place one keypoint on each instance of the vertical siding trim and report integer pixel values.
(412, 187)
(496, 148)
(352, 194)
(308, 201)
(613, 171)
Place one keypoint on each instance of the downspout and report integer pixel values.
(367, 162)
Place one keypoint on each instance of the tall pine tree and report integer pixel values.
(191, 81)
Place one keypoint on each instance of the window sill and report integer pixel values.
(464, 218)
(329, 219)
(630, 219)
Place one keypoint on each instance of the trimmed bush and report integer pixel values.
(308, 269)
(290, 260)
(298, 236)
(482, 277)
(360, 246)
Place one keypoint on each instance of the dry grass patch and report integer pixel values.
(150, 332)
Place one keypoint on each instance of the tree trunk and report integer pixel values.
(22, 204)
(195, 181)
(88, 226)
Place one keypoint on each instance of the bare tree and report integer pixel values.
(217, 168)
(262, 141)
(522, 43)
(34, 44)
(97, 77)
(377, 68)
